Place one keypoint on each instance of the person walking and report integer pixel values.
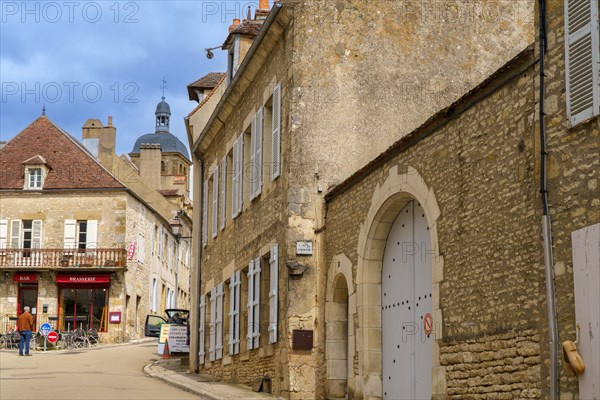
(25, 326)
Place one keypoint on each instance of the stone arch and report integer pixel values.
(340, 313)
(386, 202)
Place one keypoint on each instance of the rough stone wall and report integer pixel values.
(261, 223)
(481, 168)
(573, 191)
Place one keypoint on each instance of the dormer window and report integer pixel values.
(36, 171)
(34, 178)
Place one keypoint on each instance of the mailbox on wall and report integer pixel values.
(302, 339)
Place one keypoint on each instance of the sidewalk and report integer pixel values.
(171, 372)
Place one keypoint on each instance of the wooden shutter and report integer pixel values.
(140, 247)
(234, 179)
(250, 332)
(252, 164)
(215, 203)
(205, 213)
(258, 156)
(240, 181)
(276, 133)
(582, 59)
(236, 318)
(160, 243)
(201, 345)
(219, 323)
(70, 232)
(36, 234)
(91, 240)
(236, 56)
(231, 313)
(223, 191)
(273, 293)
(213, 320)
(3, 235)
(256, 303)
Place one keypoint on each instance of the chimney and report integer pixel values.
(262, 11)
(100, 140)
(110, 121)
(236, 23)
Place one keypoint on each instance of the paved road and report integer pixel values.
(103, 373)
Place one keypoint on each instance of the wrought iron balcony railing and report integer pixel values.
(63, 258)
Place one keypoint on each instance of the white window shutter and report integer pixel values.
(236, 55)
(160, 243)
(582, 58)
(215, 203)
(213, 320)
(276, 133)
(140, 247)
(70, 233)
(231, 313)
(240, 181)
(250, 333)
(273, 293)
(36, 234)
(15, 234)
(3, 235)
(201, 345)
(219, 323)
(258, 150)
(256, 302)
(252, 165)
(236, 319)
(223, 192)
(92, 234)
(234, 180)
(205, 213)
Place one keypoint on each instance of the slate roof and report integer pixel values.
(169, 143)
(70, 165)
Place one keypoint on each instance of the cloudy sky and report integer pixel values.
(92, 59)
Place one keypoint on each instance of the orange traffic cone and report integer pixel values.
(166, 352)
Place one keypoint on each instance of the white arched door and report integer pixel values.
(406, 307)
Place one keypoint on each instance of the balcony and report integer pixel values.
(63, 259)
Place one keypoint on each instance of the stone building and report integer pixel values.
(314, 90)
(83, 240)
(435, 283)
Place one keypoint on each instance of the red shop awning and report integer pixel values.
(25, 278)
(82, 279)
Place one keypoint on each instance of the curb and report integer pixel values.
(165, 376)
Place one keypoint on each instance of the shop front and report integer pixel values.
(83, 302)
(27, 294)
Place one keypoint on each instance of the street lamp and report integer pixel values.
(177, 228)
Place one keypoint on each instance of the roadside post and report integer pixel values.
(45, 329)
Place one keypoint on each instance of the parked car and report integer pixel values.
(177, 316)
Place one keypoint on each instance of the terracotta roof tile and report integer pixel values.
(199, 106)
(72, 166)
(249, 28)
(208, 81)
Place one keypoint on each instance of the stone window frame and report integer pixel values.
(43, 173)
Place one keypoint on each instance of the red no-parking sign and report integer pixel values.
(428, 323)
(52, 337)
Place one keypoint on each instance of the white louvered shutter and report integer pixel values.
(91, 240)
(36, 234)
(234, 180)
(201, 345)
(252, 165)
(3, 235)
(230, 334)
(160, 243)
(70, 232)
(215, 203)
(236, 317)
(276, 133)
(140, 247)
(258, 155)
(205, 213)
(236, 55)
(240, 181)
(219, 323)
(250, 332)
(582, 58)
(15, 234)
(256, 303)
(213, 320)
(223, 192)
(273, 293)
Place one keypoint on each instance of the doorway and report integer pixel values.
(27, 296)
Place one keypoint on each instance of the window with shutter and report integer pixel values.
(215, 203)
(276, 133)
(223, 192)
(258, 153)
(219, 323)
(160, 243)
(234, 312)
(256, 305)
(234, 179)
(240, 180)
(140, 248)
(15, 234)
(250, 331)
(252, 164)
(582, 58)
(36, 234)
(91, 241)
(70, 233)
(3, 235)
(201, 333)
(273, 293)
(213, 320)
(205, 213)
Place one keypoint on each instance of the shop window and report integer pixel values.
(83, 308)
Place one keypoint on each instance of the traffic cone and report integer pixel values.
(166, 352)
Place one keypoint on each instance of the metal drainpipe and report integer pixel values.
(199, 264)
(546, 221)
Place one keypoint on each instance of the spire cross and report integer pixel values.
(163, 87)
